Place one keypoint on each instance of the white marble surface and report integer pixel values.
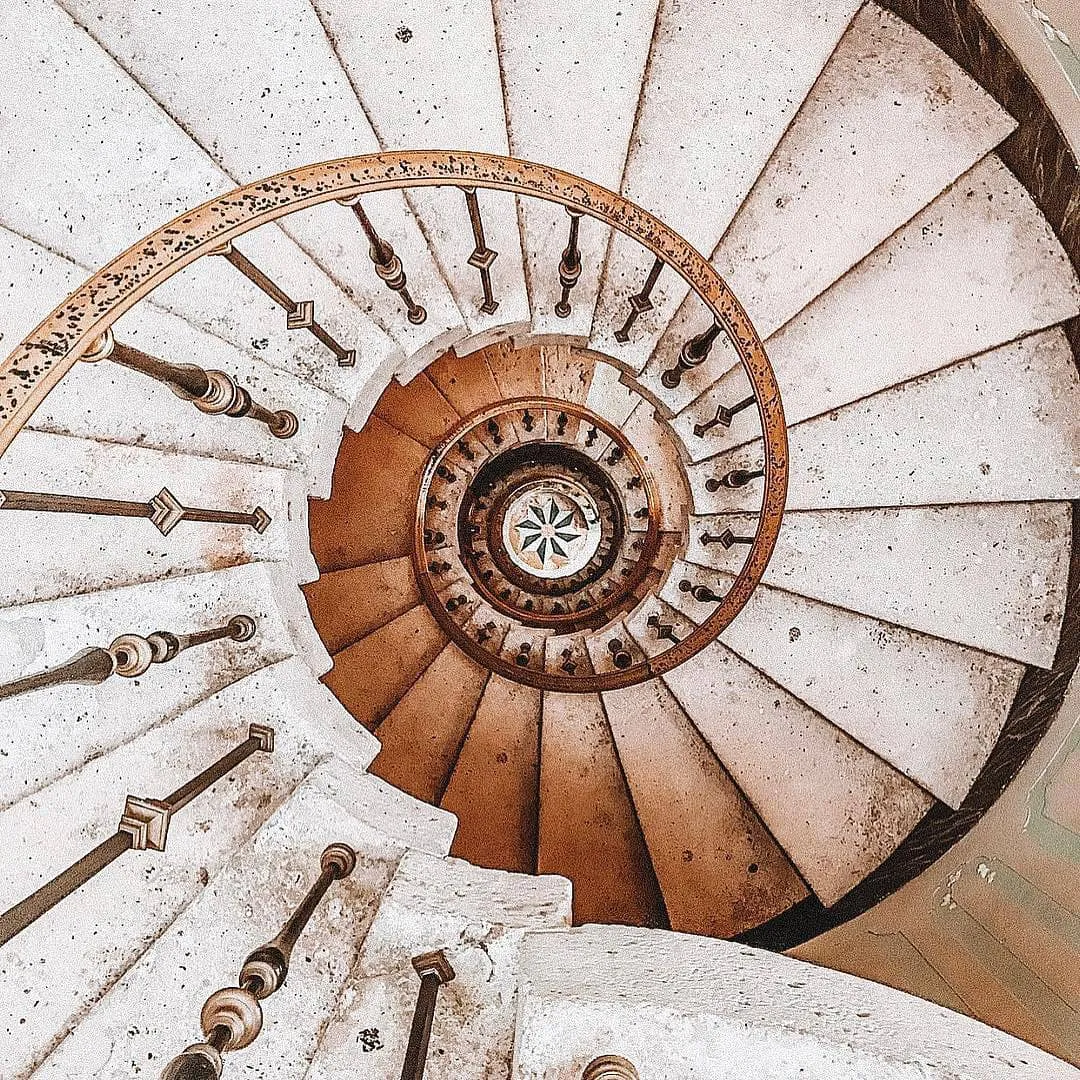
(684, 1006)
(564, 108)
(273, 70)
(992, 576)
(931, 709)
(722, 84)
(998, 428)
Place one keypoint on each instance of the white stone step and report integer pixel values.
(678, 1005)
(477, 917)
(114, 404)
(997, 428)
(608, 396)
(48, 732)
(571, 77)
(990, 576)
(720, 871)
(91, 938)
(55, 554)
(896, 121)
(930, 708)
(244, 905)
(977, 268)
(836, 809)
(276, 73)
(722, 84)
(390, 56)
(51, 63)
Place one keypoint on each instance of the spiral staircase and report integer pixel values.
(640, 526)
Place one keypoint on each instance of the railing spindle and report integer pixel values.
(129, 655)
(164, 511)
(434, 970)
(701, 593)
(213, 392)
(299, 314)
(693, 353)
(609, 1067)
(570, 264)
(727, 539)
(724, 415)
(232, 1017)
(482, 256)
(640, 302)
(144, 826)
(387, 263)
(736, 478)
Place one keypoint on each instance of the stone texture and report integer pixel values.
(655, 998)
(931, 709)
(54, 554)
(565, 109)
(389, 57)
(905, 447)
(721, 86)
(719, 869)
(992, 576)
(497, 778)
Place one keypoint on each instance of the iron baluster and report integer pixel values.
(482, 256)
(569, 265)
(693, 354)
(640, 302)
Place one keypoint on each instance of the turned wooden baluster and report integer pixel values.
(232, 1017)
(482, 256)
(213, 392)
(693, 353)
(129, 655)
(569, 265)
(144, 826)
(387, 264)
(164, 511)
(299, 314)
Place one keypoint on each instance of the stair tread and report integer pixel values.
(370, 464)
(418, 409)
(422, 735)
(563, 107)
(389, 56)
(904, 445)
(930, 708)
(991, 577)
(61, 553)
(837, 810)
(722, 85)
(212, 77)
(897, 121)
(518, 371)
(346, 605)
(496, 778)
(720, 871)
(400, 651)
(587, 830)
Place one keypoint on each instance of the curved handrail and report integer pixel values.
(43, 357)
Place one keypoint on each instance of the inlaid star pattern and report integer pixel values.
(548, 530)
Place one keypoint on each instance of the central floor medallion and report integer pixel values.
(552, 528)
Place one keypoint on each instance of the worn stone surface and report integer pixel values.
(54, 554)
(578, 115)
(904, 447)
(497, 779)
(990, 576)
(681, 1006)
(722, 84)
(930, 708)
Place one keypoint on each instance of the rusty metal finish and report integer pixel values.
(39, 362)
(434, 970)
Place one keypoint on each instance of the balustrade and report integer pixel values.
(232, 1017)
(129, 655)
(144, 825)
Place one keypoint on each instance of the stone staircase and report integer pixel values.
(505, 785)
